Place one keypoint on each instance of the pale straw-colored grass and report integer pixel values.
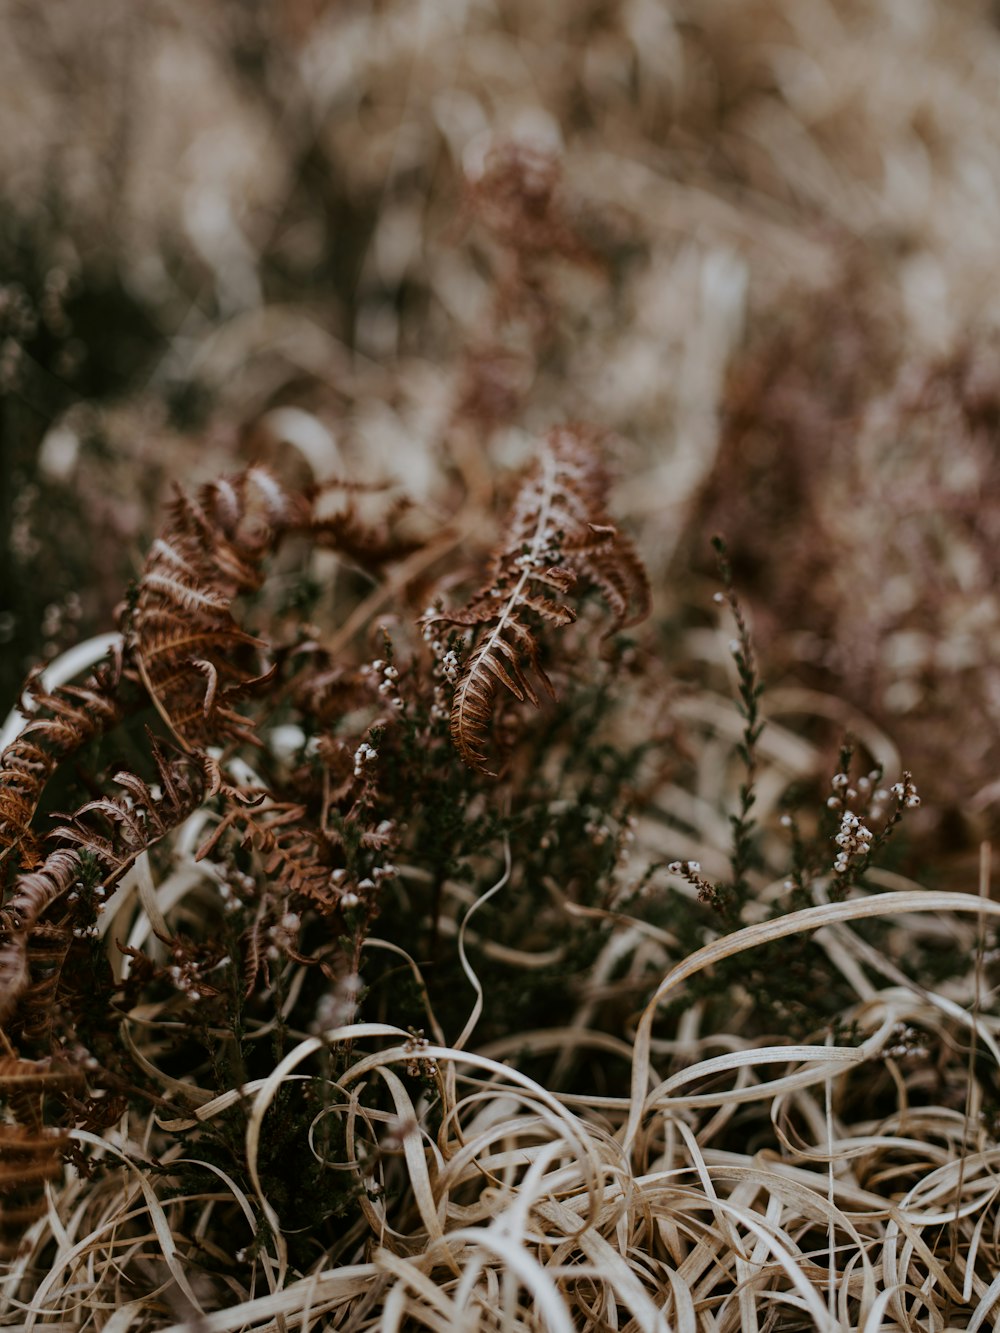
(513, 1205)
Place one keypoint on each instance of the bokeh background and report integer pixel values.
(758, 241)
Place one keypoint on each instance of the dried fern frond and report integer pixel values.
(293, 854)
(186, 643)
(48, 945)
(325, 690)
(141, 817)
(33, 894)
(129, 825)
(372, 535)
(30, 1154)
(29, 1158)
(558, 537)
(61, 721)
(295, 866)
(518, 197)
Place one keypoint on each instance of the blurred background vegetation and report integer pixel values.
(394, 240)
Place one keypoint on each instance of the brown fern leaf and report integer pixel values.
(190, 652)
(14, 974)
(131, 824)
(48, 946)
(293, 855)
(252, 955)
(60, 722)
(30, 1154)
(20, 1077)
(325, 690)
(28, 1159)
(518, 198)
(33, 894)
(558, 537)
(367, 526)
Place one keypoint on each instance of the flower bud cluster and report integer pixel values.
(283, 934)
(447, 662)
(351, 895)
(417, 1065)
(906, 792)
(866, 788)
(854, 839)
(230, 888)
(691, 871)
(906, 1043)
(389, 684)
(447, 667)
(440, 711)
(541, 558)
(347, 896)
(185, 981)
(364, 756)
(96, 896)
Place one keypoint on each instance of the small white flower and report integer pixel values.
(854, 839)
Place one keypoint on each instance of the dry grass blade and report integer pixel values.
(810, 918)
